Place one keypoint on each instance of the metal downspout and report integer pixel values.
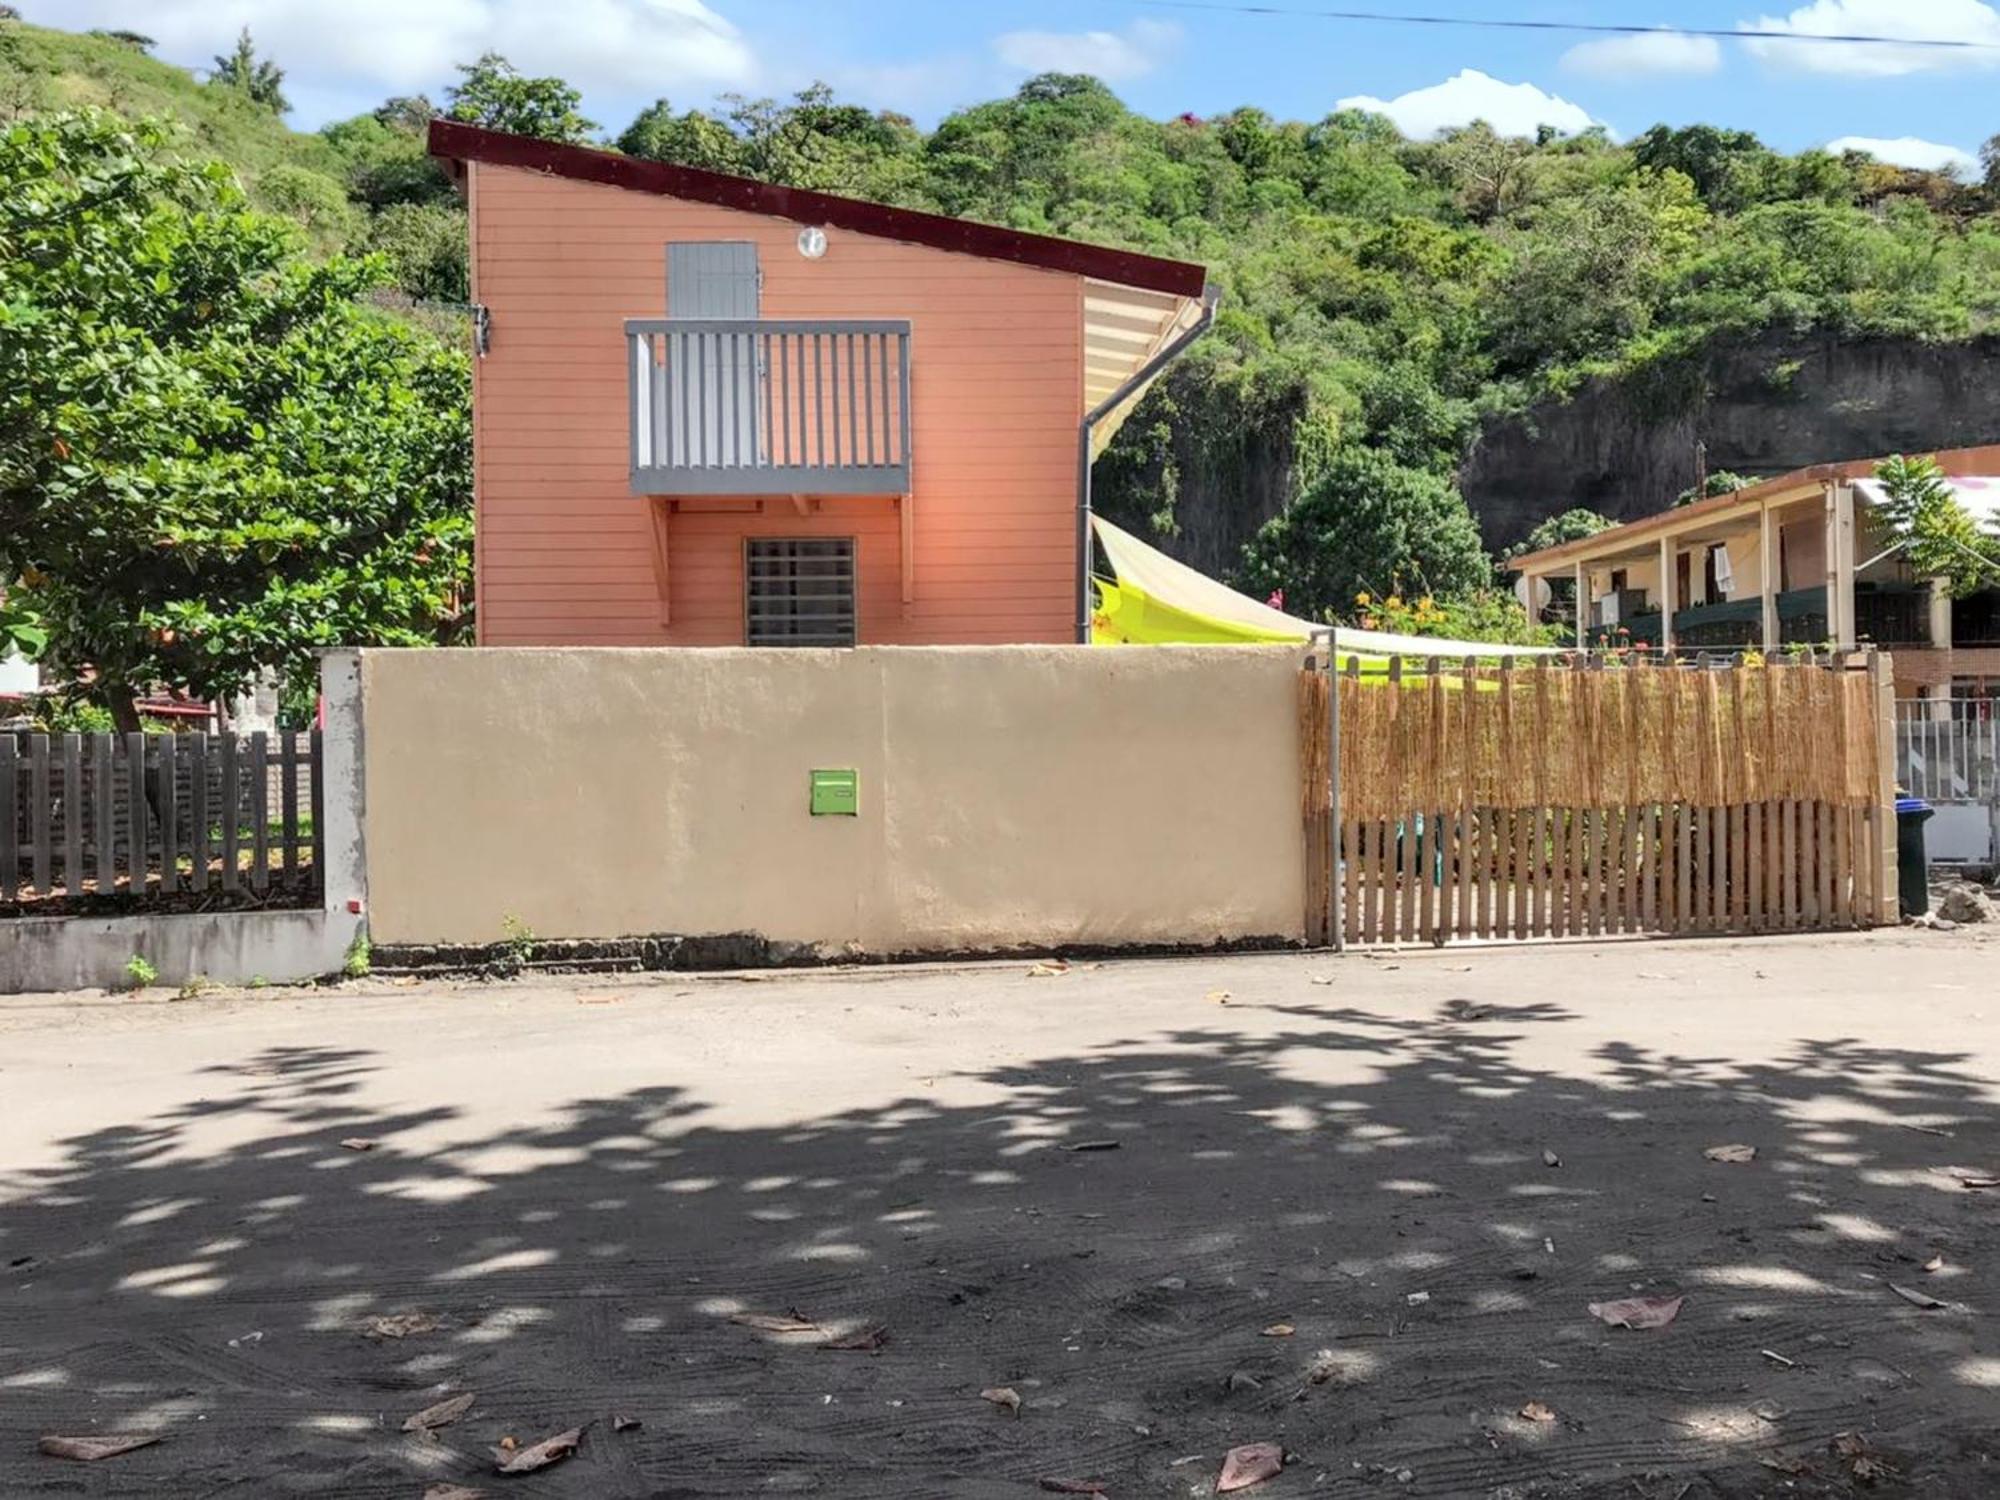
(1138, 378)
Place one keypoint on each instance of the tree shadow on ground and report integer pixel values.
(1378, 1184)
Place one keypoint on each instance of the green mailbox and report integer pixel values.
(836, 794)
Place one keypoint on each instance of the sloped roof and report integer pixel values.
(455, 141)
(1954, 461)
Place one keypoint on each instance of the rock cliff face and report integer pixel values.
(1626, 448)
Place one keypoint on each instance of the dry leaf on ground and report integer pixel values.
(1861, 1460)
(443, 1414)
(1072, 1486)
(1638, 1312)
(90, 1448)
(1092, 1146)
(1220, 997)
(453, 1492)
(358, 1143)
(1279, 1331)
(772, 1323)
(1322, 979)
(1550, 1159)
(1047, 969)
(622, 1423)
(1251, 1463)
(1935, 1263)
(1915, 1298)
(399, 1325)
(1967, 1177)
(1537, 1411)
(861, 1341)
(546, 1452)
(1003, 1395)
(1735, 1154)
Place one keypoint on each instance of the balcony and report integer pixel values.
(763, 406)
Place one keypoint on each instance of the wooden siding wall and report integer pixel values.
(565, 552)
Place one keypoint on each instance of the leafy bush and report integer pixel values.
(1367, 526)
(212, 458)
(425, 245)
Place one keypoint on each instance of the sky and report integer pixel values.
(1921, 107)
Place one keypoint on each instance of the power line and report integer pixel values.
(1727, 33)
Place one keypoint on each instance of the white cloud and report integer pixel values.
(1654, 52)
(1510, 108)
(1931, 20)
(348, 47)
(1909, 151)
(910, 88)
(1110, 55)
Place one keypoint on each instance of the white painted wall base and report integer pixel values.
(1960, 833)
(233, 947)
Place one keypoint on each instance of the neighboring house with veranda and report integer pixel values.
(1799, 559)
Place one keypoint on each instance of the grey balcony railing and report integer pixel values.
(766, 406)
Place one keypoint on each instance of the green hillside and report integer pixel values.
(1387, 303)
(59, 69)
(358, 186)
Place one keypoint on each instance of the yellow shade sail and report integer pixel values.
(1157, 601)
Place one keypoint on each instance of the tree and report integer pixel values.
(138, 41)
(387, 160)
(426, 248)
(212, 459)
(1721, 482)
(257, 79)
(1938, 535)
(493, 93)
(1554, 531)
(407, 112)
(1487, 170)
(1989, 163)
(689, 139)
(1591, 270)
(1727, 167)
(1368, 526)
(310, 198)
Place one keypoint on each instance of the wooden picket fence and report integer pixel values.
(133, 818)
(1586, 797)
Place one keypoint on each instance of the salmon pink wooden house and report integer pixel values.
(710, 411)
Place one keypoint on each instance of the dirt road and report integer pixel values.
(1356, 1207)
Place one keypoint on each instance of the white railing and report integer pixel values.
(761, 406)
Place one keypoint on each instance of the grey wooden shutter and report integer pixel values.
(717, 279)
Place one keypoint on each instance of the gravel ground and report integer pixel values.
(1356, 1207)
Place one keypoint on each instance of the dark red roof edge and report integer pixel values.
(460, 142)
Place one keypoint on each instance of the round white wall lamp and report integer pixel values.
(812, 242)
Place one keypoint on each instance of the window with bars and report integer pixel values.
(798, 592)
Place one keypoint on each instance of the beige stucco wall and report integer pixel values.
(1010, 795)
